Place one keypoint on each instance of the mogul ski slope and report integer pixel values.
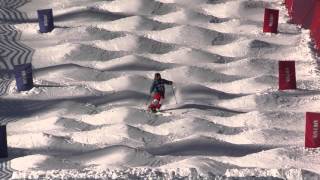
(86, 116)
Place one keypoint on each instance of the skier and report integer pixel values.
(158, 90)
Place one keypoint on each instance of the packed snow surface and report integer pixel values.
(86, 116)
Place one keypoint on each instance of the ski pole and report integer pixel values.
(174, 94)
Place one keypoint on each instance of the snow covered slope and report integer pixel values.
(86, 116)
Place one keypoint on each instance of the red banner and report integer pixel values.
(302, 12)
(315, 26)
(312, 134)
(271, 17)
(307, 14)
(287, 75)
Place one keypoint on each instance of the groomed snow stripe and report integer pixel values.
(5, 171)
(12, 52)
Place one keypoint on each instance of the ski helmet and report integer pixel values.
(157, 75)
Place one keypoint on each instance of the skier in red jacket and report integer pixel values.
(158, 90)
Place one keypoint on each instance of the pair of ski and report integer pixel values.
(158, 112)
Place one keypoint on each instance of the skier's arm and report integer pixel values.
(167, 82)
